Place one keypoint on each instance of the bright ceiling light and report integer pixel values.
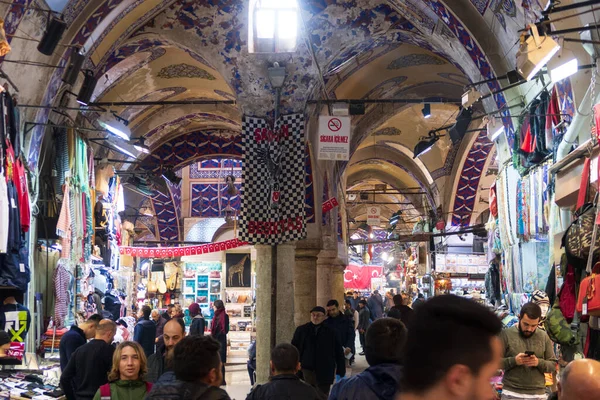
(384, 256)
(124, 151)
(140, 145)
(494, 128)
(535, 53)
(425, 145)
(563, 65)
(426, 110)
(115, 125)
(470, 97)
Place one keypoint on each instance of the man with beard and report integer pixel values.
(528, 354)
(342, 325)
(452, 351)
(160, 362)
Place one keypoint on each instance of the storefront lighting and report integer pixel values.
(75, 63)
(495, 128)
(563, 65)
(140, 145)
(54, 31)
(534, 53)
(124, 151)
(115, 125)
(425, 145)
(470, 97)
(276, 75)
(426, 110)
(87, 88)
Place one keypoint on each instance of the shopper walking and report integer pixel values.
(89, 365)
(219, 330)
(384, 351)
(127, 374)
(198, 323)
(342, 326)
(251, 363)
(159, 321)
(364, 320)
(162, 361)
(284, 382)
(168, 314)
(352, 315)
(196, 372)
(452, 351)
(354, 300)
(145, 331)
(375, 303)
(402, 311)
(76, 337)
(580, 381)
(528, 354)
(418, 301)
(321, 353)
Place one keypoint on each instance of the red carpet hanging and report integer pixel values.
(273, 180)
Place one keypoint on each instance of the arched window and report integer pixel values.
(273, 26)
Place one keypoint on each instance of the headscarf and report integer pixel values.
(194, 309)
(218, 322)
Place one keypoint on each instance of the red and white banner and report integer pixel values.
(171, 252)
(359, 277)
(330, 205)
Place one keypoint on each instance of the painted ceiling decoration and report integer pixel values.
(185, 71)
(388, 132)
(415, 60)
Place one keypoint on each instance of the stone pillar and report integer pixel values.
(337, 282)
(285, 292)
(263, 311)
(325, 278)
(305, 284)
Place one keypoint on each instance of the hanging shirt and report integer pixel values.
(20, 180)
(4, 209)
(14, 219)
(16, 320)
(61, 278)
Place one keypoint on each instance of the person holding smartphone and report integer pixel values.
(528, 355)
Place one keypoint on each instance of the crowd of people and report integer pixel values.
(446, 348)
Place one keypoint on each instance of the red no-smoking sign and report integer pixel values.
(334, 124)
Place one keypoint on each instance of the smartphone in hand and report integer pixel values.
(529, 353)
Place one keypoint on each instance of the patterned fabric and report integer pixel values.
(273, 181)
(61, 280)
(61, 159)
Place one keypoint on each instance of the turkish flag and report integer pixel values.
(359, 277)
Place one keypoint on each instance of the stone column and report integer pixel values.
(325, 277)
(337, 281)
(263, 311)
(305, 284)
(285, 292)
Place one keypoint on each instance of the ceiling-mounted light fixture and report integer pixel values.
(87, 88)
(123, 151)
(169, 175)
(425, 145)
(75, 63)
(115, 125)
(563, 65)
(140, 145)
(54, 31)
(495, 128)
(534, 53)
(276, 75)
(426, 110)
(470, 97)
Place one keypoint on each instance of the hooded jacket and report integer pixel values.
(379, 382)
(145, 334)
(170, 388)
(198, 325)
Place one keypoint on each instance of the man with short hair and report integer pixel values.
(76, 337)
(159, 321)
(161, 361)
(341, 324)
(284, 383)
(384, 348)
(364, 320)
(169, 312)
(354, 300)
(418, 301)
(580, 381)
(196, 372)
(321, 353)
(145, 331)
(452, 351)
(89, 365)
(375, 303)
(528, 354)
(401, 311)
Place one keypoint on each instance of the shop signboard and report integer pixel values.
(472, 264)
(373, 215)
(334, 138)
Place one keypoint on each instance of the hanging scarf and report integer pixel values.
(218, 322)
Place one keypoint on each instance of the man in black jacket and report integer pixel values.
(404, 312)
(321, 353)
(284, 384)
(160, 362)
(364, 320)
(145, 331)
(342, 325)
(88, 367)
(76, 337)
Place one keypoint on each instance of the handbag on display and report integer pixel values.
(557, 327)
(577, 240)
(588, 302)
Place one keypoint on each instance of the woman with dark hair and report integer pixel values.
(198, 323)
(126, 377)
(219, 330)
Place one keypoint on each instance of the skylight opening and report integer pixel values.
(273, 26)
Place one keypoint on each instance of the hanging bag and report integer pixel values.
(588, 302)
(557, 327)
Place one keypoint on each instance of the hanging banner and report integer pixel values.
(359, 277)
(173, 252)
(329, 205)
(334, 138)
(273, 180)
(373, 214)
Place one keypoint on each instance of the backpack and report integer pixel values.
(105, 390)
(557, 327)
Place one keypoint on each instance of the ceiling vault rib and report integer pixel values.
(160, 103)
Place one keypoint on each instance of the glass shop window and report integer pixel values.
(273, 26)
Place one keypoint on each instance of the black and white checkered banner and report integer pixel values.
(273, 180)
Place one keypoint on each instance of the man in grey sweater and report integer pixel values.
(528, 355)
